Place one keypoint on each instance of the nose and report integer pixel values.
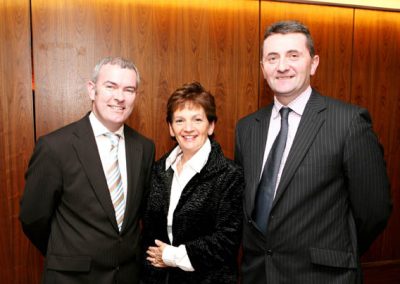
(283, 64)
(118, 94)
(188, 126)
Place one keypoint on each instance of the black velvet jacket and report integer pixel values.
(207, 220)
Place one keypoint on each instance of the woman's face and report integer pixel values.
(191, 129)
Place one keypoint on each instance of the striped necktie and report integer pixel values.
(114, 181)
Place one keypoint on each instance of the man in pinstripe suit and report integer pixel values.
(331, 198)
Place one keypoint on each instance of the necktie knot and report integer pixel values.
(284, 111)
(114, 139)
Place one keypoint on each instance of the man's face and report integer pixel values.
(287, 65)
(113, 95)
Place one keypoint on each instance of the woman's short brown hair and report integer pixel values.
(192, 94)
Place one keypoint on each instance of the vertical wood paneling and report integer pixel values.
(166, 66)
(172, 42)
(387, 272)
(247, 52)
(69, 38)
(202, 41)
(332, 33)
(61, 52)
(17, 257)
(233, 33)
(376, 86)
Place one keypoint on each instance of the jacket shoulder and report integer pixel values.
(62, 134)
(257, 115)
(336, 104)
(138, 136)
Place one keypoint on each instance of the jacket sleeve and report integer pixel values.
(367, 180)
(221, 247)
(42, 190)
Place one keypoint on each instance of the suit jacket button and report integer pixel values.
(249, 221)
(269, 252)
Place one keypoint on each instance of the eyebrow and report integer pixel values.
(288, 51)
(115, 84)
(109, 82)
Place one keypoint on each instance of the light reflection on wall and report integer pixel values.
(374, 4)
(215, 4)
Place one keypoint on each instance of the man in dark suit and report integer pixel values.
(83, 195)
(322, 201)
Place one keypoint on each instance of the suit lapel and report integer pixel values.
(86, 148)
(134, 153)
(309, 126)
(258, 138)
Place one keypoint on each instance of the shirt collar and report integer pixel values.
(198, 160)
(99, 129)
(297, 105)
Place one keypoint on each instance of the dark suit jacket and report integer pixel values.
(207, 220)
(332, 201)
(67, 212)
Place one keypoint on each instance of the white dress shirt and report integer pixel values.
(297, 106)
(104, 146)
(177, 256)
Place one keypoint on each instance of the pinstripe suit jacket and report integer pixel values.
(332, 201)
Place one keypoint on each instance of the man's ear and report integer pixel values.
(314, 64)
(91, 89)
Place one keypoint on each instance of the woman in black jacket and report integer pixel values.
(193, 220)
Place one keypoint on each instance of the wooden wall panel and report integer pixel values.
(376, 86)
(17, 257)
(233, 53)
(332, 33)
(69, 38)
(202, 41)
(172, 42)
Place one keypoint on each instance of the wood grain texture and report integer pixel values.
(173, 42)
(19, 262)
(232, 67)
(378, 272)
(376, 86)
(202, 42)
(332, 32)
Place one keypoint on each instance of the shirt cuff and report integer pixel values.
(177, 257)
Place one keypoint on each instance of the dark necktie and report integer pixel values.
(266, 187)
